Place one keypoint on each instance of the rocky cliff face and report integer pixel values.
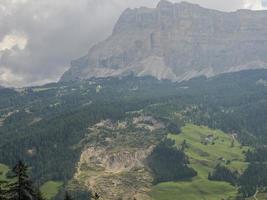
(177, 42)
(114, 160)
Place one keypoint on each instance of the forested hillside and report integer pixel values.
(47, 126)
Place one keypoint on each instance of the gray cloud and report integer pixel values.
(39, 38)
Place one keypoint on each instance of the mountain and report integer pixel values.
(177, 41)
(111, 127)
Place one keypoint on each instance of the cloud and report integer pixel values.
(231, 5)
(253, 4)
(7, 76)
(11, 41)
(39, 38)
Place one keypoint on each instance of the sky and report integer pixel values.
(39, 38)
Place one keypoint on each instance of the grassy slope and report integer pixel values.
(50, 189)
(203, 158)
(3, 170)
(260, 196)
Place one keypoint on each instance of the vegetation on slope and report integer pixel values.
(3, 171)
(50, 189)
(44, 125)
(169, 163)
(206, 149)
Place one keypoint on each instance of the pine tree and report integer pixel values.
(2, 194)
(2, 190)
(22, 188)
(38, 195)
(184, 145)
(67, 196)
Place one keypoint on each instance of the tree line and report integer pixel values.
(21, 187)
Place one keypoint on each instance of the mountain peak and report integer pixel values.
(164, 3)
(168, 4)
(177, 41)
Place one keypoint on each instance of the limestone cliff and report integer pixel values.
(177, 41)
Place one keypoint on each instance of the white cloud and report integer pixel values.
(11, 41)
(253, 4)
(229, 5)
(8, 79)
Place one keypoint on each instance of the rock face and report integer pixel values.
(114, 160)
(177, 41)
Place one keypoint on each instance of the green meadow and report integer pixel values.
(50, 189)
(3, 170)
(205, 148)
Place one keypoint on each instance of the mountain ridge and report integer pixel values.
(177, 41)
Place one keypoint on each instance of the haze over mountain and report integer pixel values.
(177, 41)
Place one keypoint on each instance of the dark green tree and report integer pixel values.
(22, 188)
(67, 196)
(2, 190)
(183, 145)
(168, 163)
(253, 179)
(222, 173)
(38, 195)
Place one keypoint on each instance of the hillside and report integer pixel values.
(120, 171)
(205, 148)
(56, 127)
(204, 153)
